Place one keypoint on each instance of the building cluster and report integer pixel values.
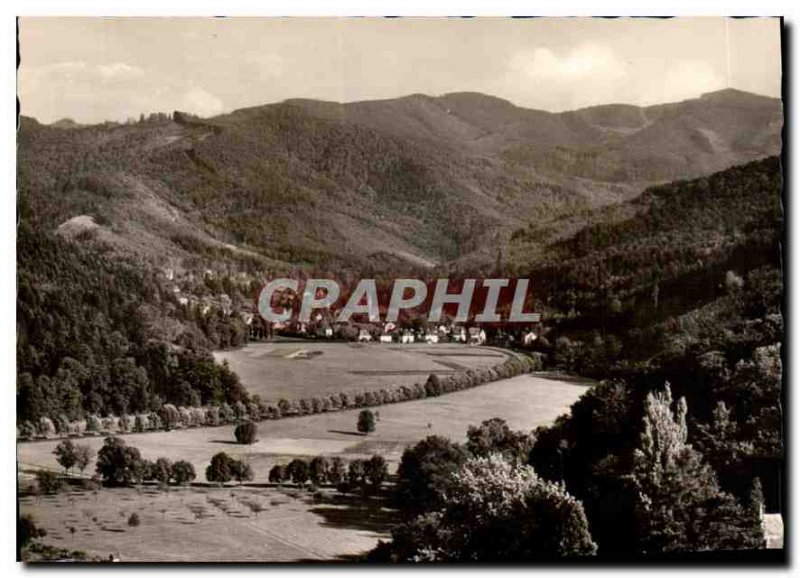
(323, 324)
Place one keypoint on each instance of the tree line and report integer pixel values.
(168, 416)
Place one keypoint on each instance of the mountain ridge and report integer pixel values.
(430, 179)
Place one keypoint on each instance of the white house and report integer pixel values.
(477, 336)
(528, 338)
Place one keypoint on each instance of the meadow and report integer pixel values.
(209, 523)
(302, 369)
(200, 524)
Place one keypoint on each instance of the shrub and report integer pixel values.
(45, 427)
(226, 413)
(277, 475)
(246, 432)
(220, 470)
(318, 470)
(241, 471)
(356, 472)
(366, 422)
(27, 531)
(162, 470)
(433, 386)
(65, 455)
(154, 422)
(117, 463)
(183, 472)
(27, 430)
(108, 424)
(297, 471)
(494, 436)
(83, 454)
(125, 423)
(49, 482)
(376, 471)
(185, 417)
(212, 415)
(61, 424)
(336, 471)
(169, 416)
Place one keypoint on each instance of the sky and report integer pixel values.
(93, 69)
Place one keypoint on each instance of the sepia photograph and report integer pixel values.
(385, 291)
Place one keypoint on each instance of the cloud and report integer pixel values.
(592, 74)
(584, 62)
(93, 92)
(119, 71)
(201, 102)
(589, 74)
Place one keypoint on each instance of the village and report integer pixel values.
(195, 293)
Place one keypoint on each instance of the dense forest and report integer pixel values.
(92, 337)
(689, 293)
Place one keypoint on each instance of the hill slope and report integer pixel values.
(407, 182)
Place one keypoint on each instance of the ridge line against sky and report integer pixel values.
(432, 96)
(93, 70)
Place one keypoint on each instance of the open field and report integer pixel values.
(185, 524)
(525, 402)
(210, 524)
(298, 369)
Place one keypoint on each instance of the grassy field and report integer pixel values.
(294, 370)
(525, 402)
(290, 528)
(210, 524)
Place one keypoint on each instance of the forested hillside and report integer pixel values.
(688, 291)
(425, 179)
(669, 256)
(141, 246)
(95, 334)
